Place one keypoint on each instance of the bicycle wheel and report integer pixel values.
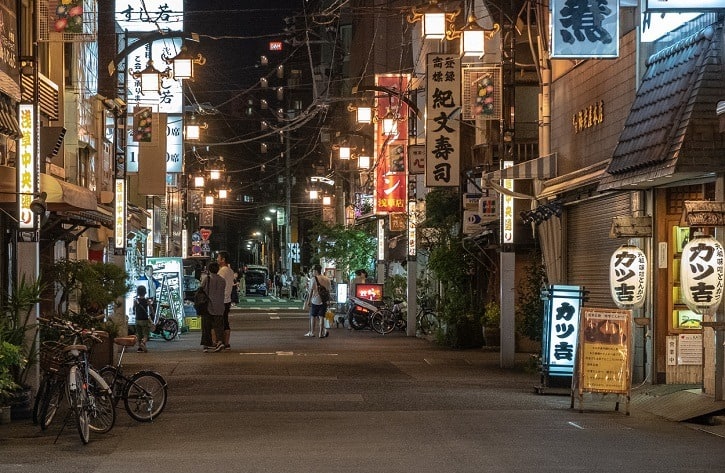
(145, 396)
(78, 400)
(39, 396)
(169, 329)
(383, 321)
(102, 411)
(114, 382)
(52, 398)
(427, 322)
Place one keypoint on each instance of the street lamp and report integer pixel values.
(433, 19)
(150, 77)
(182, 65)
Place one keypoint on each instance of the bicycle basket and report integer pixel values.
(52, 357)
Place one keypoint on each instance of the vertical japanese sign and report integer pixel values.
(507, 204)
(561, 330)
(120, 214)
(628, 277)
(391, 181)
(26, 166)
(443, 103)
(604, 354)
(701, 273)
(585, 28)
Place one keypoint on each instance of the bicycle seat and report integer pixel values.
(75, 347)
(125, 341)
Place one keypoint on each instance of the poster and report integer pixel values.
(604, 350)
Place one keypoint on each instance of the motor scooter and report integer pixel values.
(362, 310)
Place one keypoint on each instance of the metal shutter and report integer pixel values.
(589, 247)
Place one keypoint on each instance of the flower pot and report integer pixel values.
(492, 336)
(21, 406)
(5, 415)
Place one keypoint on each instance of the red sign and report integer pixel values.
(205, 234)
(275, 46)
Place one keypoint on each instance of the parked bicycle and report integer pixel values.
(67, 372)
(165, 324)
(387, 319)
(143, 393)
(361, 313)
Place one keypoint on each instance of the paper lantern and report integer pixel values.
(701, 274)
(628, 277)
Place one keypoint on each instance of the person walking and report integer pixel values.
(141, 309)
(225, 271)
(216, 286)
(316, 303)
(207, 340)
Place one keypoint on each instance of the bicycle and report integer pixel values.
(387, 319)
(164, 323)
(67, 371)
(144, 393)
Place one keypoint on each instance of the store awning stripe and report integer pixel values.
(539, 168)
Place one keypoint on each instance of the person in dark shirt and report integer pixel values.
(141, 309)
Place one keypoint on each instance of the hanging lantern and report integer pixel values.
(701, 274)
(628, 277)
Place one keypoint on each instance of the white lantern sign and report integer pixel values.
(701, 274)
(628, 277)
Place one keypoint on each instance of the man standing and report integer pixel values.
(216, 287)
(226, 272)
(314, 301)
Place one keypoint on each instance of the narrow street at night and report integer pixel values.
(357, 401)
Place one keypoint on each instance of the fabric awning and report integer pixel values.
(62, 196)
(539, 168)
(671, 133)
(589, 176)
(8, 119)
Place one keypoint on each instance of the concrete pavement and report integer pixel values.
(357, 402)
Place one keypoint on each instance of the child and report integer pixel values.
(143, 324)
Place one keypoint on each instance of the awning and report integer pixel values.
(539, 168)
(62, 196)
(671, 133)
(8, 119)
(579, 179)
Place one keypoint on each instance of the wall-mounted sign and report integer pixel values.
(684, 5)
(588, 117)
(701, 274)
(508, 208)
(584, 29)
(150, 15)
(628, 277)
(120, 213)
(276, 45)
(443, 107)
(27, 174)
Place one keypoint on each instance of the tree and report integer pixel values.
(350, 248)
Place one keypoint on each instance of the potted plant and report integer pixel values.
(491, 323)
(18, 328)
(84, 290)
(11, 359)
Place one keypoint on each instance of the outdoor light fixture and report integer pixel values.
(198, 181)
(192, 129)
(433, 19)
(472, 36)
(182, 65)
(344, 152)
(363, 162)
(223, 193)
(364, 115)
(314, 194)
(209, 199)
(326, 200)
(390, 124)
(151, 77)
(38, 205)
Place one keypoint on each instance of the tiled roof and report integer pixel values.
(672, 128)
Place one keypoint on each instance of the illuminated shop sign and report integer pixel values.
(26, 166)
(684, 5)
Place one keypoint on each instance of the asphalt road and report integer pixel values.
(357, 402)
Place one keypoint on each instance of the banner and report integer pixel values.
(443, 107)
(391, 160)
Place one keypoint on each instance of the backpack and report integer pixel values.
(323, 292)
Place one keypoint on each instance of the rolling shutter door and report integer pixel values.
(589, 247)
